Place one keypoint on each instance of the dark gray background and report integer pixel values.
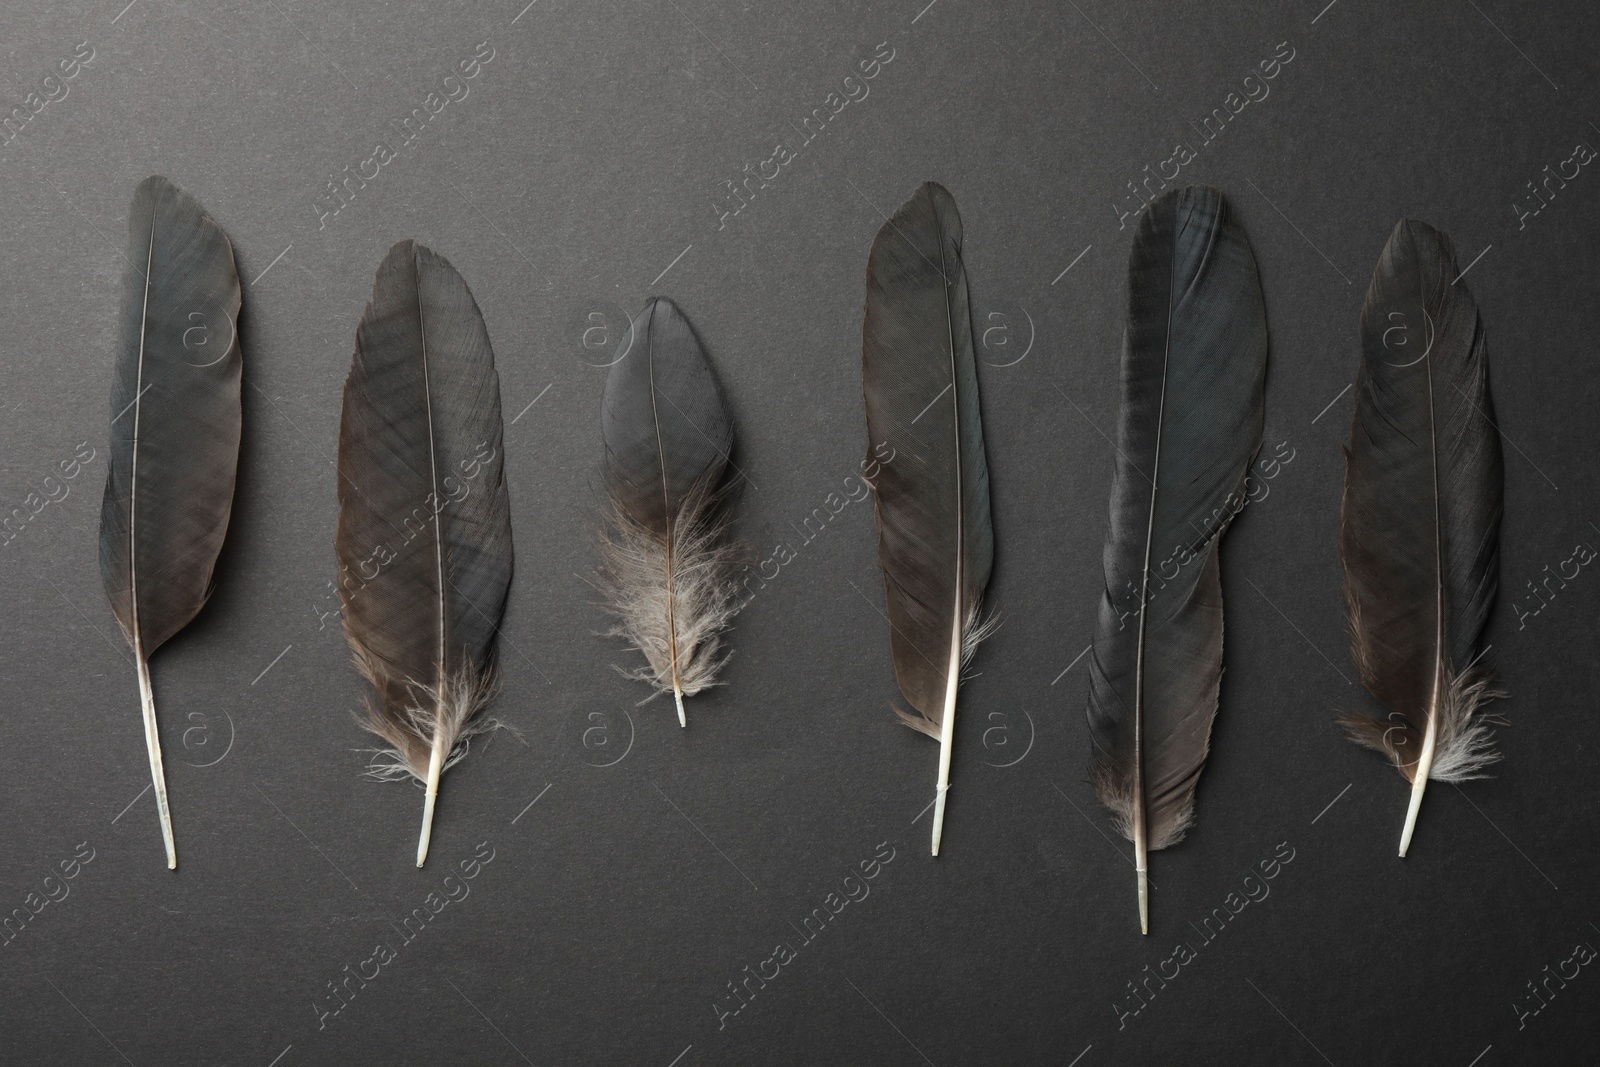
(617, 908)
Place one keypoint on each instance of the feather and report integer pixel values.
(424, 540)
(1193, 368)
(666, 563)
(175, 426)
(935, 537)
(1420, 527)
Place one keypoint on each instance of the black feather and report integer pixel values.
(667, 564)
(175, 428)
(1420, 534)
(424, 541)
(1193, 368)
(935, 537)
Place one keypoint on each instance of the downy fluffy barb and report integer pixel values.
(700, 600)
(666, 564)
(410, 728)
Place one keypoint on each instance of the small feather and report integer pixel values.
(666, 559)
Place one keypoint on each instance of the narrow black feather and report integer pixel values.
(175, 428)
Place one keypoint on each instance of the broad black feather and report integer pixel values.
(1193, 369)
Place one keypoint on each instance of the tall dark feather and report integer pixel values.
(1193, 369)
(1420, 534)
(175, 427)
(935, 538)
(424, 539)
(666, 560)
